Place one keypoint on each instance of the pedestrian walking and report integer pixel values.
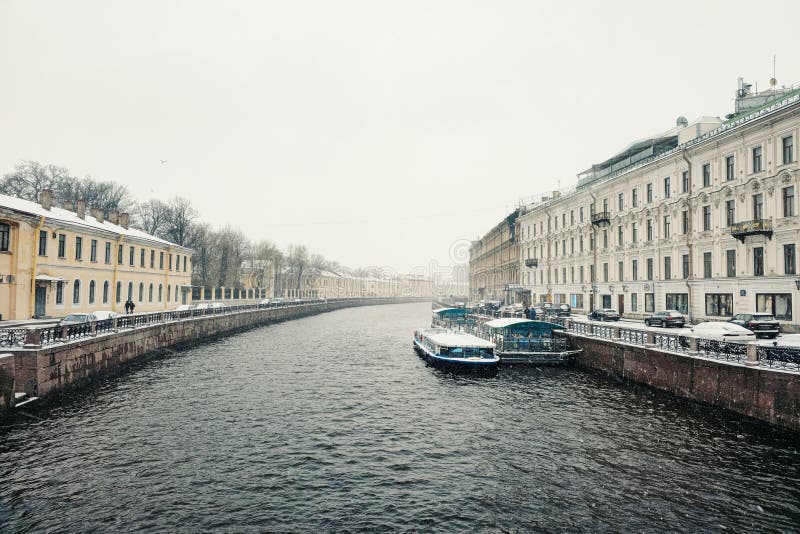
(132, 306)
(127, 307)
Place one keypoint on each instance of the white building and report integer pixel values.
(701, 218)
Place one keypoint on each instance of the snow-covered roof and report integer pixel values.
(506, 322)
(90, 223)
(456, 339)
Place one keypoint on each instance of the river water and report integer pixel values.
(332, 423)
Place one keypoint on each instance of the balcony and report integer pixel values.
(602, 218)
(531, 262)
(743, 229)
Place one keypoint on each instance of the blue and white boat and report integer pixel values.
(456, 351)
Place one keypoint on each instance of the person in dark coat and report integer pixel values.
(127, 306)
(132, 306)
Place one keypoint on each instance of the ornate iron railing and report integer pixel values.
(12, 337)
(781, 357)
(722, 350)
(634, 337)
(671, 342)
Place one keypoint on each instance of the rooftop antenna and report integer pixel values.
(772, 81)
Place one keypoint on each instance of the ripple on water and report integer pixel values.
(332, 423)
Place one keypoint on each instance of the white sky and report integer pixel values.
(377, 133)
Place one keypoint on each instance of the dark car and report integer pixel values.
(604, 314)
(761, 324)
(563, 310)
(666, 318)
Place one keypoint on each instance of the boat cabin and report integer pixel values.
(448, 317)
(523, 335)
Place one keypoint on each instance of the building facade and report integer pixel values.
(56, 261)
(494, 266)
(702, 218)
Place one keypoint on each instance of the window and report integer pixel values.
(591, 241)
(685, 222)
(76, 292)
(730, 262)
(59, 292)
(730, 168)
(42, 243)
(666, 187)
(119, 255)
(108, 252)
(706, 265)
(591, 274)
(686, 266)
(105, 292)
(605, 205)
(649, 192)
(758, 206)
(153, 257)
(141, 257)
(778, 304)
(141, 291)
(169, 289)
(685, 182)
(572, 274)
(605, 272)
(758, 261)
(635, 270)
(605, 238)
(132, 254)
(563, 275)
(571, 248)
(563, 253)
(170, 255)
(5, 232)
(719, 304)
(160, 260)
(706, 218)
(667, 268)
(649, 302)
(563, 219)
(150, 293)
(161, 291)
(788, 149)
(580, 214)
(634, 302)
(789, 259)
(580, 273)
(555, 274)
(572, 217)
(176, 292)
(91, 292)
(649, 229)
(706, 175)
(634, 197)
(678, 301)
(93, 250)
(78, 247)
(555, 223)
(621, 271)
(730, 212)
(130, 291)
(619, 235)
(62, 246)
(633, 232)
(118, 293)
(649, 268)
(576, 300)
(666, 227)
(757, 152)
(580, 243)
(788, 201)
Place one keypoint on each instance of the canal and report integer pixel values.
(332, 423)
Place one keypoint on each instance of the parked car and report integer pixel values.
(666, 318)
(209, 306)
(604, 314)
(264, 302)
(722, 331)
(76, 318)
(762, 324)
(185, 307)
(102, 315)
(277, 301)
(563, 310)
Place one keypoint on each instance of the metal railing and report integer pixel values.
(781, 357)
(634, 337)
(671, 342)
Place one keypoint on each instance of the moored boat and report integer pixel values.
(526, 341)
(456, 351)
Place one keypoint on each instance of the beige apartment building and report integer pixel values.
(702, 218)
(494, 268)
(55, 261)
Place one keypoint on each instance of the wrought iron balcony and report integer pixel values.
(531, 262)
(741, 230)
(602, 218)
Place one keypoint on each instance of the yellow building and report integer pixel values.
(56, 261)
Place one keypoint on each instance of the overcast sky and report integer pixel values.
(376, 133)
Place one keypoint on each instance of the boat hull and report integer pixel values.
(537, 358)
(482, 367)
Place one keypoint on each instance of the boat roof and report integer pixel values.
(450, 311)
(456, 339)
(506, 322)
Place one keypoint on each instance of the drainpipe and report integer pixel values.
(35, 254)
(689, 240)
(120, 240)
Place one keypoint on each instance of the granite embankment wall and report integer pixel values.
(40, 371)
(769, 395)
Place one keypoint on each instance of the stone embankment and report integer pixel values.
(49, 362)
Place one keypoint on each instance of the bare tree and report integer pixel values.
(181, 219)
(152, 216)
(297, 261)
(30, 177)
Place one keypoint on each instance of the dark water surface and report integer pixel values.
(332, 423)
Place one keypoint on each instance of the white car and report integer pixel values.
(209, 306)
(185, 307)
(786, 340)
(102, 315)
(265, 302)
(722, 331)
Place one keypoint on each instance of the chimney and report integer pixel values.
(113, 217)
(46, 198)
(98, 214)
(556, 194)
(82, 209)
(69, 206)
(124, 219)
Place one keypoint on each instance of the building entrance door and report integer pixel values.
(621, 300)
(40, 302)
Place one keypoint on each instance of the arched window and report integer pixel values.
(105, 292)
(130, 291)
(169, 293)
(91, 292)
(160, 292)
(176, 293)
(76, 292)
(150, 294)
(141, 291)
(118, 296)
